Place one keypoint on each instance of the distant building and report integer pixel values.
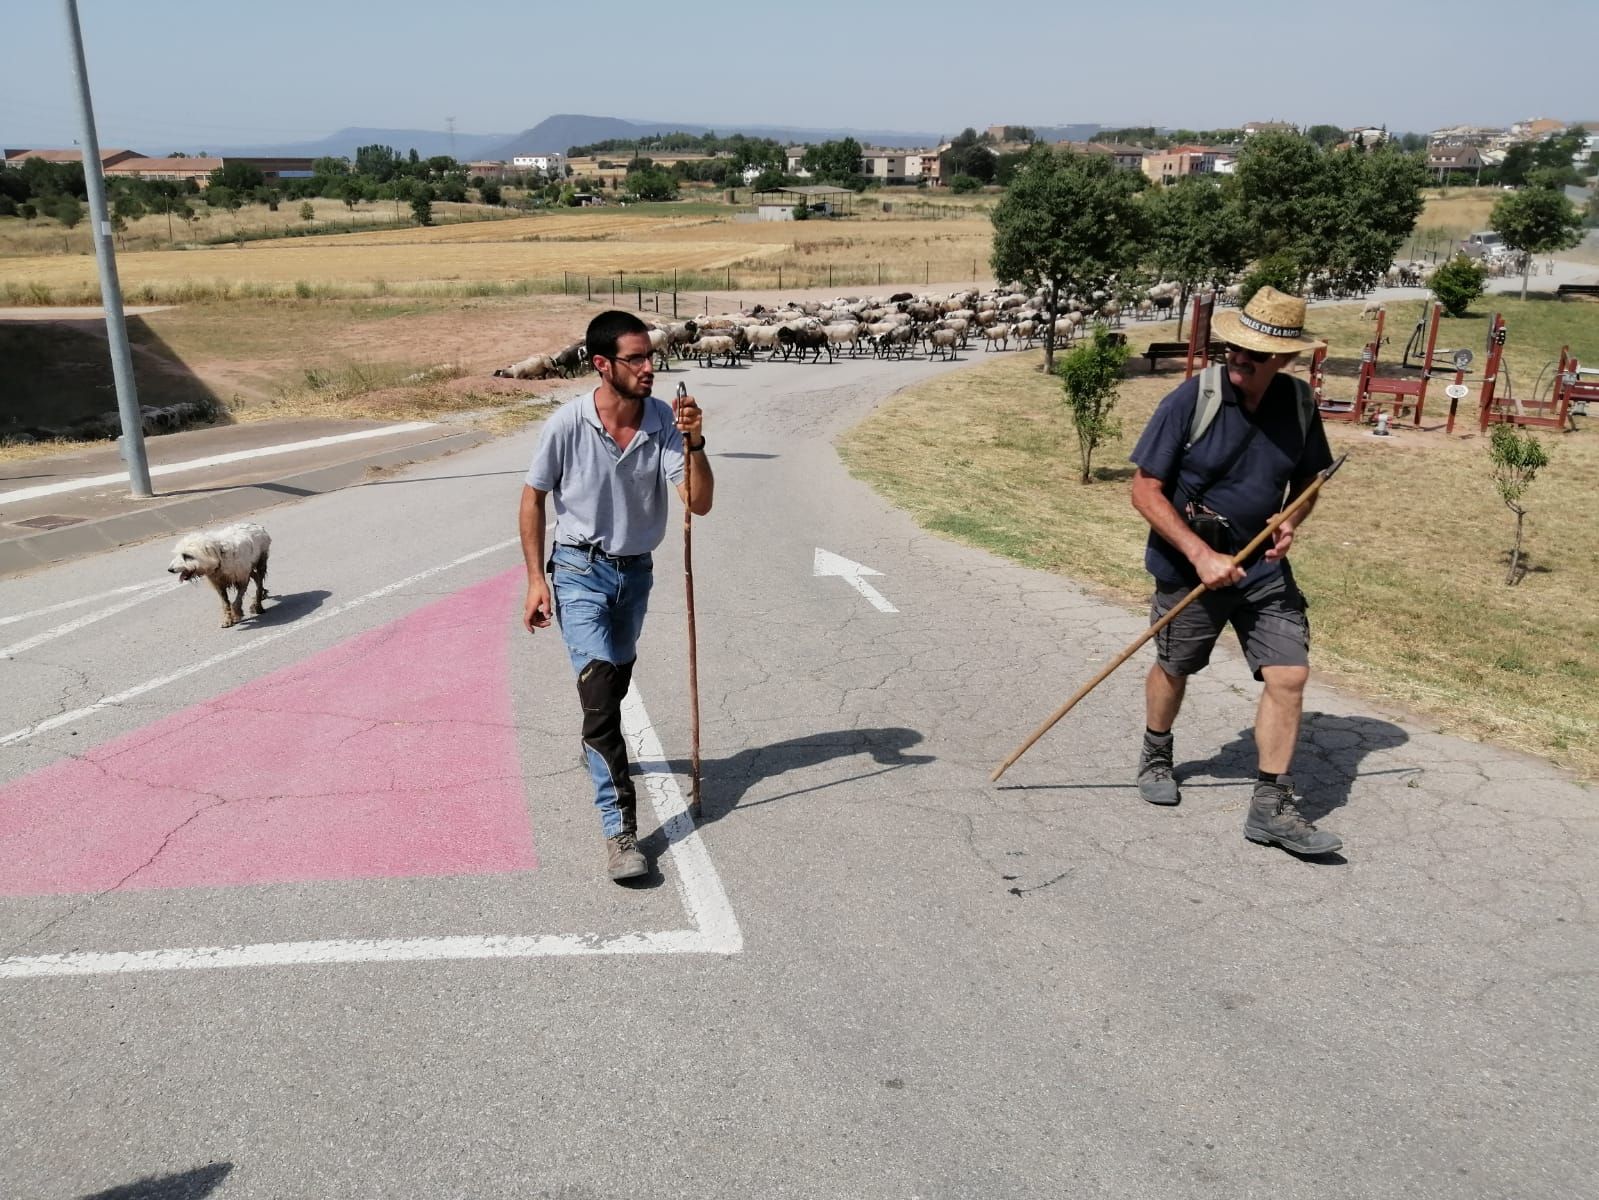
(1128, 158)
(553, 165)
(795, 157)
(1254, 127)
(488, 169)
(15, 158)
(1452, 159)
(1168, 166)
(890, 165)
(1537, 129)
(1369, 136)
(130, 164)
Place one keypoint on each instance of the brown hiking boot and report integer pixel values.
(623, 858)
(1274, 821)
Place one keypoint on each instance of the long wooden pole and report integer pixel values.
(1259, 540)
(693, 645)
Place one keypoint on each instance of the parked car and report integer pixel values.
(1486, 244)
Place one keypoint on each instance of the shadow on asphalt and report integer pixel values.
(187, 1185)
(1337, 769)
(725, 781)
(437, 478)
(280, 610)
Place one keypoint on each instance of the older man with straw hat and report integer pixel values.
(1223, 453)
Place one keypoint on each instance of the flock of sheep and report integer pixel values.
(897, 326)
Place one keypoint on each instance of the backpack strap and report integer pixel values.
(1207, 405)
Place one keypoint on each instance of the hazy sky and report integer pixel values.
(197, 73)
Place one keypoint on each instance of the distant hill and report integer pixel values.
(565, 130)
(343, 144)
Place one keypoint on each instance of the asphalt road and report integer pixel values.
(314, 906)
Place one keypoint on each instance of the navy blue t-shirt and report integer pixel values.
(1251, 493)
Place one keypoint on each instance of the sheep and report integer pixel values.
(844, 334)
(996, 333)
(572, 360)
(941, 343)
(717, 345)
(536, 366)
(1370, 310)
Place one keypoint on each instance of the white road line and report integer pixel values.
(82, 600)
(215, 460)
(255, 643)
(715, 931)
(50, 635)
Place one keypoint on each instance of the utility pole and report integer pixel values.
(105, 257)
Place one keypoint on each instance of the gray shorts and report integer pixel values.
(1269, 618)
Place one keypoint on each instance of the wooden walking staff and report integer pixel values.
(693, 648)
(1259, 540)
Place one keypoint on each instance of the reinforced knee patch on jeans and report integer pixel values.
(600, 689)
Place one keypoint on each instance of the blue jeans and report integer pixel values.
(600, 606)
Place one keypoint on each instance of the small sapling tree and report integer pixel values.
(1517, 458)
(307, 211)
(1457, 284)
(1091, 374)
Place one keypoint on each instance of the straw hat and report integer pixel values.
(1271, 322)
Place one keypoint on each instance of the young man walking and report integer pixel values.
(607, 459)
(1206, 493)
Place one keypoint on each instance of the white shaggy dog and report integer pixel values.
(227, 557)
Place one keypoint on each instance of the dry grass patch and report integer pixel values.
(1403, 560)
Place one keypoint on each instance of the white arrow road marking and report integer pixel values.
(828, 563)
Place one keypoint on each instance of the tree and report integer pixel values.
(422, 206)
(1457, 284)
(653, 184)
(1090, 375)
(348, 189)
(1196, 233)
(307, 211)
(1342, 214)
(220, 196)
(1517, 458)
(802, 211)
(489, 193)
(382, 163)
(68, 210)
(1325, 136)
(1068, 221)
(242, 177)
(1535, 221)
(962, 184)
(835, 162)
(769, 180)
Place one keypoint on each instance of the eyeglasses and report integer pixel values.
(1254, 356)
(632, 361)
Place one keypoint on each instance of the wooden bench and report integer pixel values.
(1158, 350)
(1577, 289)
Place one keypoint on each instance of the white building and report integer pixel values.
(553, 165)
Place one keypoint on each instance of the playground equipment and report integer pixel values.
(1397, 397)
(1554, 402)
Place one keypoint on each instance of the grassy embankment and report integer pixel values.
(1404, 559)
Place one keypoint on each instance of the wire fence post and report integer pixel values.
(879, 274)
(674, 298)
(590, 280)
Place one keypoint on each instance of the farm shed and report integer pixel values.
(777, 204)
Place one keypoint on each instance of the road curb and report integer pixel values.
(185, 513)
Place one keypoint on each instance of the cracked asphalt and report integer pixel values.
(945, 988)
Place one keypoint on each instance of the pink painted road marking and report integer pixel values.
(391, 754)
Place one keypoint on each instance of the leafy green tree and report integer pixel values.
(1090, 376)
(1458, 284)
(1196, 233)
(307, 211)
(330, 168)
(382, 163)
(422, 206)
(1325, 136)
(241, 177)
(348, 189)
(68, 210)
(1344, 213)
(220, 195)
(489, 193)
(1019, 133)
(653, 184)
(802, 211)
(127, 206)
(453, 188)
(1275, 270)
(1517, 458)
(1535, 221)
(1068, 222)
(769, 179)
(962, 184)
(835, 162)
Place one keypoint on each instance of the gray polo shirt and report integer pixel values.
(614, 498)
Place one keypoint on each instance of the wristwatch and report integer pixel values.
(694, 449)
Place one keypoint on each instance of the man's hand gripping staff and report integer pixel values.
(1223, 569)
